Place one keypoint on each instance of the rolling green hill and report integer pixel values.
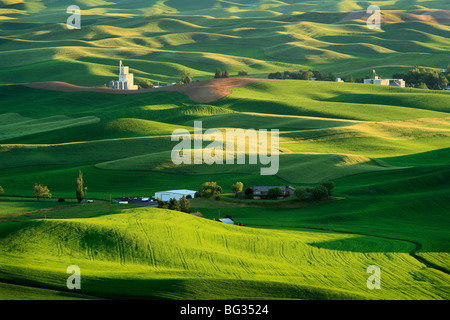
(386, 149)
(160, 39)
(127, 251)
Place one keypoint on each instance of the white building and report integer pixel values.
(386, 82)
(174, 194)
(227, 221)
(126, 80)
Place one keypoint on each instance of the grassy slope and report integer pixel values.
(129, 139)
(370, 222)
(287, 264)
(160, 40)
(403, 128)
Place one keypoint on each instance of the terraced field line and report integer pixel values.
(147, 238)
(417, 246)
(120, 249)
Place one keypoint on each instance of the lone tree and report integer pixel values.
(185, 205)
(41, 191)
(80, 183)
(237, 187)
(2, 191)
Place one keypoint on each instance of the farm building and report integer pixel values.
(174, 194)
(226, 220)
(126, 79)
(260, 192)
(386, 82)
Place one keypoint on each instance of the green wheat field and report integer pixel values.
(387, 150)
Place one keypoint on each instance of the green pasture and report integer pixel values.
(386, 149)
(288, 264)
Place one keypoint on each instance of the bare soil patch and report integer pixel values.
(203, 91)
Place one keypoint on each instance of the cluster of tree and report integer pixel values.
(242, 73)
(425, 79)
(303, 75)
(319, 192)
(145, 84)
(186, 77)
(182, 205)
(221, 74)
(41, 191)
(274, 193)
(209, 189)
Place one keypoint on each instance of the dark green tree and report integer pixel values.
(186, 77)
(174, 204)
(443, 82)
(307, 75)
(274, 193)
(329, 185)
(80, 187)
(320, 192)
(162, 204)
(185, 205)
(300, 193)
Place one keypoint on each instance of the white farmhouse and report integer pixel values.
(126, 80)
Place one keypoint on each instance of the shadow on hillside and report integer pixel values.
(367, 244)
(197, 288)
(430, 158)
